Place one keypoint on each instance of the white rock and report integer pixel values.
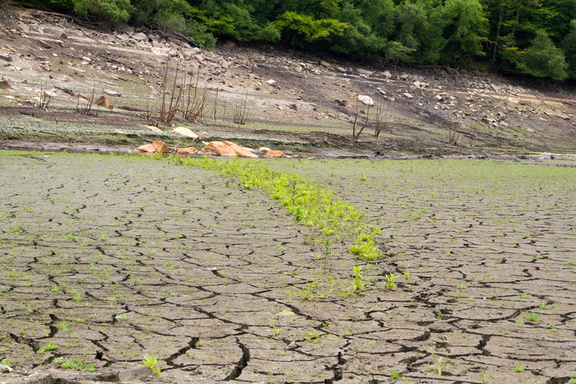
(140, 37)
(367, 100)
(387, 74)
(271, 82)
(408, 95)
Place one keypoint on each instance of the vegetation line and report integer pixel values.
(309, 204)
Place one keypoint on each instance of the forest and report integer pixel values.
(529, 37)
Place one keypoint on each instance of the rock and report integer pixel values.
(271, 153)
(155, 129)
(364, 72)
(324, 63)
(112, 93)
(439, 97)
(5, 369)
(156, 147)
(6, 58)
(104, 101)
(4, 84)
(219, 148)
(271, 82)
(387, 74)
(185, 132)
(408, 95)
(367, 100)
(140, 37)
(404, 76)
(187, 151)
(240, 151)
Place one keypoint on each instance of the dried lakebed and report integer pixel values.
(107, 258)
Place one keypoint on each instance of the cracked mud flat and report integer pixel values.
(109, 258)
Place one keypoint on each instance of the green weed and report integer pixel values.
(152, 362)
(47, 347)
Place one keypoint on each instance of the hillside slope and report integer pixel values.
(288, 99)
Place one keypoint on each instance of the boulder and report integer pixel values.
(367, 100)
(156, 147)
(239, 150)
(140, 37)
(271, 153)
(187, 151)
(4, 84)
(271, 82)
(218, 148)
(104, 101)
(408, 95)
(185, 132)
(387, 74)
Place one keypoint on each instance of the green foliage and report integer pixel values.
(310, 28)
(466, 29)
(152, 362)
(543, 59)
(111, 10)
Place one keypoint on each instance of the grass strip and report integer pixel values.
(309, 204)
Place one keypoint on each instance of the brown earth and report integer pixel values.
(290, 100)
(104, 259)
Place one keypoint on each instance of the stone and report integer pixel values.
(271, 153)
(4, 84)
(219, 148)
(157, 146)
(408, 95)
(185, 132)
(187, 151)
(387, 74)
(140, 36)
(5, 369)
(160, 147)
(104, 101)
(239, 150)
(367, 100)
(364, 72)
(271, 82)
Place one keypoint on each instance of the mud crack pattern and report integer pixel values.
(106, 258)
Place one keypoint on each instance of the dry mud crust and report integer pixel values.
(110, 257)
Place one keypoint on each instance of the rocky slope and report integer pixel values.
(55, 68)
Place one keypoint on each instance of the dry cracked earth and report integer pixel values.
(106, 258)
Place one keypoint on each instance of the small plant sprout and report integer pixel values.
(47, 347)
(519, 368)
(151, 362)
(462, 286)
(389, 281)
(543, 305)
(531, 317)
(395, 374)
(276, 331)
(406, 274)
(525, 295)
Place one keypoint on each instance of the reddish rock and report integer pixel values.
(219, 148)
(187, 151)
(156, 146)
(239, 150)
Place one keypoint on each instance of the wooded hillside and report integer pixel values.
(532, 37)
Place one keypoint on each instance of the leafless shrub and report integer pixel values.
(45, 99)
(359, 124)
(380, 117)
(241, 111)
(87, 109)
(169, 108)
(453, 136)
(194, 100)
